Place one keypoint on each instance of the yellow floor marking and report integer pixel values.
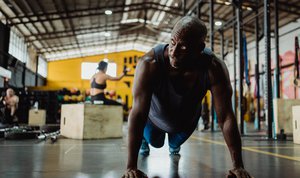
(275, 147)
(249, 149)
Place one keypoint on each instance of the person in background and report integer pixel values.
(98, 84)
(10, 105)
(205, 114)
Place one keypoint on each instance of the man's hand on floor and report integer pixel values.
(238, 173)
(134, 173)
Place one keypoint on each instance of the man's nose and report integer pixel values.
(174, 50)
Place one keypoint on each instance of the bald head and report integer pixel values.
(10, 92)
(190, 26)
(187, 42)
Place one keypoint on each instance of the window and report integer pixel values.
(18, 47)
(88, 69)
(42, 67)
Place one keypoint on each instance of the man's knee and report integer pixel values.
(156, 142)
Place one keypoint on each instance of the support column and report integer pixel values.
(277, 62)
(222, 44)
(184, 7)
(267, 70)
(241, 62)
(36, 70)
(234, 63)
(211, 37)
(23, 74)
(257, 64)
(199, 6)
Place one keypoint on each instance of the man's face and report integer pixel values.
(184, 49)
(9, 92)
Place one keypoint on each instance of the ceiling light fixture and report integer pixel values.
(108, 12)
(218, 23)
(106, 34)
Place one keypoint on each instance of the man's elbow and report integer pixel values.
(225, 118)
(117, 79)
(137, 115)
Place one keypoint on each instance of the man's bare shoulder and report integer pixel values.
(216, 64)
(145, 73)
(148, 58)
(147, 62)
(218, 71)
(14, 100)
(15, 97)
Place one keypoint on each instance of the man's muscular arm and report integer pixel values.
(222, 92)
(142, 93)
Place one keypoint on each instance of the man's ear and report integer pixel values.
(202, 46)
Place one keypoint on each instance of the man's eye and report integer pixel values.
(172, 42)
(183, 47)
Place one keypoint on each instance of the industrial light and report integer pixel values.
(224, 2)
(108, 12)
(218, 23)
(106, 34)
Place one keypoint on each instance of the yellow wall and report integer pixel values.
(67, 73)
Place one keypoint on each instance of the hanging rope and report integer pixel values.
(296, 68)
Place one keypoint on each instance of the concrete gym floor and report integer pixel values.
(203, 155)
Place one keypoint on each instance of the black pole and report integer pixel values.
(184, 7)
(36, 70)
(211, 21)
(241, 63)
(277, 77)
(222, 44)
(23, 74)
(268, 84)
(199, 6)
(257, 64)
(234, 63)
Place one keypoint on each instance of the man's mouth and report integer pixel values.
(174, 66)
(174, 63)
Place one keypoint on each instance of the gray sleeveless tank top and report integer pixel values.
(171, 111)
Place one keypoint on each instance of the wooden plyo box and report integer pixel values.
(283, 117)
(296, 124)
(37, 117)
(88, 121)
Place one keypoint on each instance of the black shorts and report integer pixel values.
(101, 97)
(6, 118)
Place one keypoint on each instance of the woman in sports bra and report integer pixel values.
(98, 84)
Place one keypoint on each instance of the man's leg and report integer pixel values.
(205, 119)
(177, 139)
(8, 117)
(152, 135)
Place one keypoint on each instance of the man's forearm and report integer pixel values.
(135, 135)
(233, 140)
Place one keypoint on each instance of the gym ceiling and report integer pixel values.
(58, 28)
